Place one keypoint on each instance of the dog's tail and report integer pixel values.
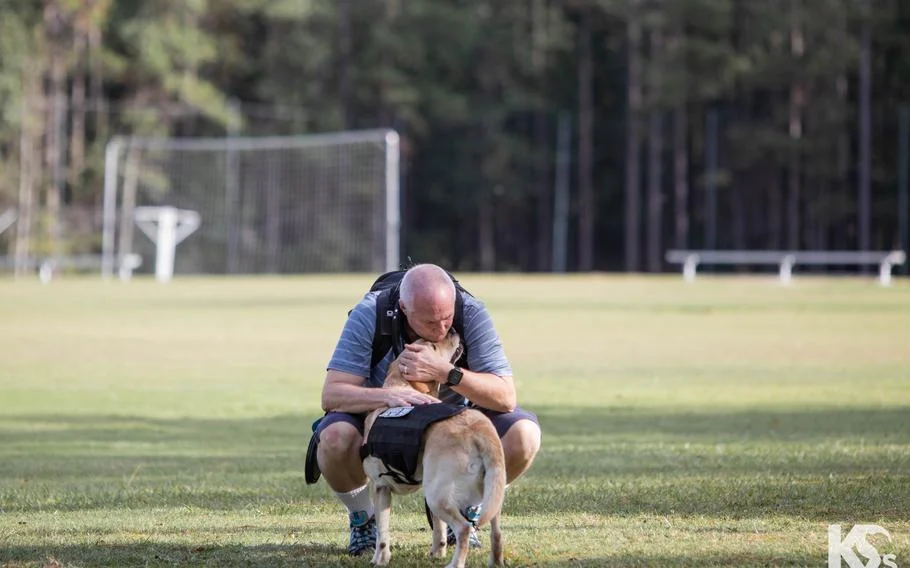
(494, 477)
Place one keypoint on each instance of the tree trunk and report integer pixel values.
(31, 124)
(539, 30)
(386, 111)
(655, 151)
(54, 107)
(344, 67)
(843, 160)
(774, 213)
(633, 140)
(838, 238)
(96, 80)
(681, 175)
(77, 105)
(680, 144)
(712, 128)
(53, 149)
(486, 231)
(544, 197)
(738, 217)
(865, 129)
(585, 149)
(797, 95)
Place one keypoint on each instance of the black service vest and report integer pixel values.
(396, 437)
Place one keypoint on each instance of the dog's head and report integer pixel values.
(449, 349)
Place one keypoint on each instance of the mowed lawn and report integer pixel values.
(726, 422)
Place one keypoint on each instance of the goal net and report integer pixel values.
(319, 203)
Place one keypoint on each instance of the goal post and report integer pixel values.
(284, 204)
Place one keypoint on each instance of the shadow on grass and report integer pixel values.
(694, 560)
(815, 464)
(803, 425)
(313, 555)
(263, 435)
(152, 555)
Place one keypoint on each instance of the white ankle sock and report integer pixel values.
(358, 502)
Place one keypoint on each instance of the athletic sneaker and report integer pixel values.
(472, 514)
(474, 540)
(363, 534)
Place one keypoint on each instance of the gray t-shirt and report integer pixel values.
(355, 346)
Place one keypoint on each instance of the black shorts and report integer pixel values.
(502, 421)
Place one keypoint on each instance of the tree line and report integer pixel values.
(536, 134)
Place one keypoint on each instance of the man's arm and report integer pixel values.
(490, 384)
(344, 392)
(486, 390)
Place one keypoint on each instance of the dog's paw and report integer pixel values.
(382, 556)
(438, 551)
(496, 562)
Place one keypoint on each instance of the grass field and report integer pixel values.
(723, 423)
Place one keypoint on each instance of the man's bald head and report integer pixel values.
(427, 297)
(426, 283)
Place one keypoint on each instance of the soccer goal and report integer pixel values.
(283, 205)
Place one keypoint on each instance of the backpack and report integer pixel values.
(388, 334)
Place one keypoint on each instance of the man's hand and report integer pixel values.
(406, 396)
(420, 363)
(344, 392)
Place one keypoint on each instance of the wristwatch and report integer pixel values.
(455, 376)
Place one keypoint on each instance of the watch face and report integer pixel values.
(454, 377)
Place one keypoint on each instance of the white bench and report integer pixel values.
(690, 259)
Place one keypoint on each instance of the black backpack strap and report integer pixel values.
(387, 332)
(458, 324)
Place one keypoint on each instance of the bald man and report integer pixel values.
(426, 310)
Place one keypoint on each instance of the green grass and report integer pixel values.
(723, 423)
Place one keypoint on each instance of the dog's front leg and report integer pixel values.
(382, 505)
(439, 537)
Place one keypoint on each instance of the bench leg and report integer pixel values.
(884, 273)
(786, 269)
(689, 268)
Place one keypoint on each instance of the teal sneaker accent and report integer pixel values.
(472, 514)
(363, 533)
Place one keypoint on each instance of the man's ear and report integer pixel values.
(401, 306)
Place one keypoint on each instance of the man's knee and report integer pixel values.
(338, 440)
(522, 440)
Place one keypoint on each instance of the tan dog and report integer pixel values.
(461, 464)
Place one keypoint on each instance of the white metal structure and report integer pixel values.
(7, 218)
(690, 259)
(289, 204)
(166, 227)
